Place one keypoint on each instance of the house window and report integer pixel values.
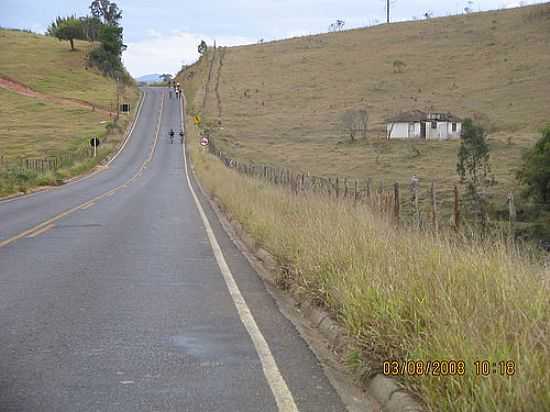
(454, 127)
(434, 125)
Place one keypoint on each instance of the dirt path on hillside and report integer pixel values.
(20, 88)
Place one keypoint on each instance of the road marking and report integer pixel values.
(99, 168)
(39, 232)
(95, 199)
(89, 205)
(279, 388)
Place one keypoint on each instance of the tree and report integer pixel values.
(203, 48)
(91, 27)
(399, 66)
(66, 28)
(166, 77)
(473, 155)
(535, 172)
(106, 10)
(107, 57)
(473, 162)
(337, 26)
(354, 122)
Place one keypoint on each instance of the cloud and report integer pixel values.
(165, 53)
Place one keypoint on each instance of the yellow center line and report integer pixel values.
(39, 232)
(88, 203)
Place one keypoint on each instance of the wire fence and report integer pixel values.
(425, 206)
(47, 163)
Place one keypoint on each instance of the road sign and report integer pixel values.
(125, 107)
(197, 120)
(94, 142)
(204, 141)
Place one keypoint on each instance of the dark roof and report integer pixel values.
(419, 115)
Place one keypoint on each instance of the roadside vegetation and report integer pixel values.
(76, 93)
(404, 294)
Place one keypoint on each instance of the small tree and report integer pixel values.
(473, 163)
(338, 25)
(203, 48)
(473, 155)
(399, 66)
(166, 77)
(68, 28)
(355, 122)
(535, 172)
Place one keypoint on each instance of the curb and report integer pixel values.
(386, 391)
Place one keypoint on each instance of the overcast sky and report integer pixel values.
(163, 34)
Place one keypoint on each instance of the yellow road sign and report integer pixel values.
(197, 119)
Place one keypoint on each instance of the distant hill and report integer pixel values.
(149, 78)
(282, 102)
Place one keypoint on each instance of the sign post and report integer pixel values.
(94, 142)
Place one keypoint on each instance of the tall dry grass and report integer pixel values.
(406, 295)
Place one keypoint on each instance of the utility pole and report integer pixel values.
(387, 11)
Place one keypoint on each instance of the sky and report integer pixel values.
(162, 35)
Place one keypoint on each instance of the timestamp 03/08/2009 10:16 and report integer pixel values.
(485, 368)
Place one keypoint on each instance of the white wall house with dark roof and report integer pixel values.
(421, 125)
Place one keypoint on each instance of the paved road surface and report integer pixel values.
(120, 304)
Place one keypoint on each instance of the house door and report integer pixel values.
(423, 130)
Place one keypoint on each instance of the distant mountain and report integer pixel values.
(149, 78)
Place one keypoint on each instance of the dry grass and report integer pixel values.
(406, 295)
(280, 102)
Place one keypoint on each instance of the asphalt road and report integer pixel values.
(112, 297)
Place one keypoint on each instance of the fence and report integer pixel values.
(424, 207)
(48, 163)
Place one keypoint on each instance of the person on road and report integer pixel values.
(171, 136)
(181, 136)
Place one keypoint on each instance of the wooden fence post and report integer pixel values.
(355, 194)
(337, 188)
(345, 188)
(456, 212)
(369, 187)
(396, 205)
(512, 212)
(434, 209)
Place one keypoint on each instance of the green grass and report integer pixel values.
(281, 102)
(47, 65)
(403, 294)
(33, 128)
(39, 127)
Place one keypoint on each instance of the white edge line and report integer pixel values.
(283, 396)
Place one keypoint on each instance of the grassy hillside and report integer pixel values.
(47, 65)
(280, 102)
(41, 126)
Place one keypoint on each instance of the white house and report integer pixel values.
(421, 125)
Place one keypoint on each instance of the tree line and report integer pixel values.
(101, 25)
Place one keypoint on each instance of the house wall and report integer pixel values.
(444, 131)
(398, 131)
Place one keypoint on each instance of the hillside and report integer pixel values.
(52, 103)
(280, 102)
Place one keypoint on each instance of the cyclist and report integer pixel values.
(171, 136)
